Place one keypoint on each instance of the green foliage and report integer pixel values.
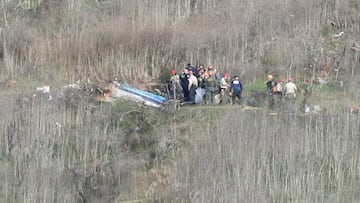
(354, 4)
(98, 7)
(215, 154)
(326, 30)
(331, 88)
(149, 70)
(255, 87)
(4, 157)
(164, 75)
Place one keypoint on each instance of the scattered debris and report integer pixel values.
(57, 124)
(137, 95)
(338, 34)
(321, 82)
(316, 109)
(43, 89)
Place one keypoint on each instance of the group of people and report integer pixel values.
(285, 94)
(201, 85)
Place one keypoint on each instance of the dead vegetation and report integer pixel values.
(138, 41)
(75, 149)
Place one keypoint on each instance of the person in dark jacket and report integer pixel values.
(194, 69)
(184, 81)
(270, 94)
(236, 88)
(201, 76)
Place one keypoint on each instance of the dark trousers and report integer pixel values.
(192, 93)
(280, 99)
(271, 100)
(210, 97)
(234, 96)
(290, 102)
(186, 93)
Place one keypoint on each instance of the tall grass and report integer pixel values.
(83, 152)
(57, 151)
(74, 151)
(254, 157)
(136, 40)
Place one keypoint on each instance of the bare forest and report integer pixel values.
(73, 149)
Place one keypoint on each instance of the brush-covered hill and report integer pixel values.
(68, 40)
(85, 151)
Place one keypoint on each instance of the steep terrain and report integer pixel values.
(74, 149)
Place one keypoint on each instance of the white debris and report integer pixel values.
(74, 85)
(58, 124)
(322, 81)
(339, 34)
(43, 89)
(316, 109)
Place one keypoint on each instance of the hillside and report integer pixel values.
(68, 40)
(72, 148)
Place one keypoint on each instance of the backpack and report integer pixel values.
(274, 89)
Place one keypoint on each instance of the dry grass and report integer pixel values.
(67, 40)
(255, 157)
(73, 151)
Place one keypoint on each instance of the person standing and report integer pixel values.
(236, 88)
(224, 89)
(280, 88)
(270, 94)
(201, 76)
(184, 81)
(193, 84)
(290, 94)
(201, 85)
(210, 86)
(175, 87)
(306, 90)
